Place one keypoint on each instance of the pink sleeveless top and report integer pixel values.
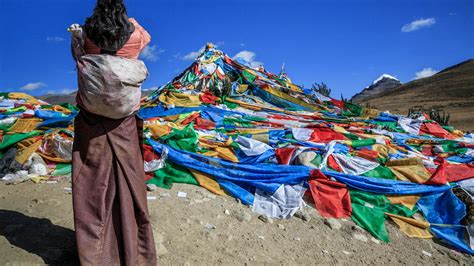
(131, 50)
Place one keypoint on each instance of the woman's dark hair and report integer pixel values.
(109, 27)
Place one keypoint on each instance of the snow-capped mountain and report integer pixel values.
(383, 83)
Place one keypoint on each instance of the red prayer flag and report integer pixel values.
(331, 198)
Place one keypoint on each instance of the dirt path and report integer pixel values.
(36, 228)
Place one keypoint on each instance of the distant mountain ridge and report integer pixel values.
(451, 89)
(59, 98)
(384, 83)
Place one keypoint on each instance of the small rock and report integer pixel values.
(297, 239)
(360, 237)
(261, 237)
(333, 223)
(357, 228)
(242, 216)
(265, 219)
(346, 252)
(151, 187)
(206, 199)
(426, 253)
(325, 251)
(302, 215)
(211, 196)
(281, 226)
(197, 201)
(165, 195)
(182, 194)
(227, 212)
(209, 226)
(376, 241)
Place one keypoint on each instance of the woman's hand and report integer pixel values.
(75, 30)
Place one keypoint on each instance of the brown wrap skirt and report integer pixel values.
(109, 192)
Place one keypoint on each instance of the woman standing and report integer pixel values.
(109, 192)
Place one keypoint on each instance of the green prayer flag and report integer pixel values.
(172, 173)
(368, 211)
(9, 140)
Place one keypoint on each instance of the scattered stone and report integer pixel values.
(165, 195)
(297, 239)
(357, 228)
(182, 194)
(265, 219)
(281, 226)
(325, 251)
(302, 215)
(151, 187)
(211, 196)
(209, 226)
(242, 216)
(346, 252)
(360, 237)
(333, 223)
(206, 199)
(151, 197)
(197, 201)
(227, 212)
(376, 241)
(426, 253)
(261, 237)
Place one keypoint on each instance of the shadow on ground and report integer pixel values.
(54, 244)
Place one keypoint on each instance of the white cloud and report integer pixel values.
(418, 24)
(33, 86)
(151, 53)
(242, 44)
(194, 54)
(452, 14)
(249, 57)
(425, 72)
(55, 39)
(67, 91)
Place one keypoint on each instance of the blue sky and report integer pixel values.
(346, 44)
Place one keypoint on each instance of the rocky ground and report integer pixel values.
(36, 228)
